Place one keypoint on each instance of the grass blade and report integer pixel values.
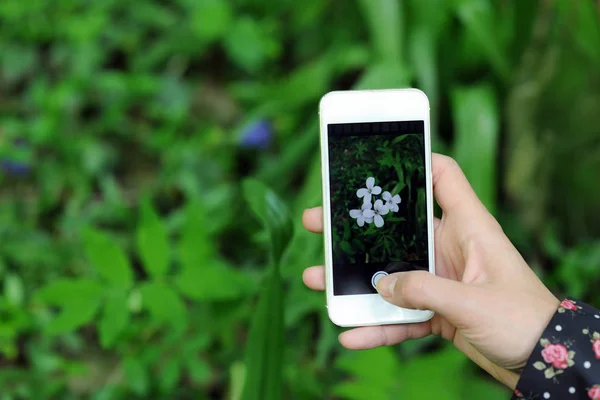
(265, 341)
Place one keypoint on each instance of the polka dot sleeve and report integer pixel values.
(565, 363)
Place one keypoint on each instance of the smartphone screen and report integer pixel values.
(378, 202)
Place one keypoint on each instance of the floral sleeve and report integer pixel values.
(565, 364)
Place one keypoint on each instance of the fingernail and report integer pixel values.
(386, 285)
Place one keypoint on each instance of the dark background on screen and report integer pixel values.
(359, 150)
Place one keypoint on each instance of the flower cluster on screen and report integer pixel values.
(375, 204)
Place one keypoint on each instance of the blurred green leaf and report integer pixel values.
(170, 374)
(263, 356)
(478, 18)
(199, 370)
(164, 304)
(249, 45)
(273, 213)
(137, 376)
(79, 300)
(115, 317)
(65, 291)
(587, 33)
(13, 289)
(73, 315)
(386, 25)
(578, 268)
(445, 367)
(195, 247)
(237, 375)
(477, 126)
(384, 76)
(374, 374)
(153, 242)
(478, 388)
(213, 281)
(107, 257)
(423, 47)
(211, 19)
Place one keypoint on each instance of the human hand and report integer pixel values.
(487, 300)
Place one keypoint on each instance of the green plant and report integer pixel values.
(127, 127)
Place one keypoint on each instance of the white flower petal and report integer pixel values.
(383, 210)
(368, 213)
(387, 196)
(378, 221)
(369, 220)
(370, 182)
(396, 199)
(394, 207)
(355, 213)
(362, 192)
(378, 204)
(360, 221)
(367, 205)
(376, 189)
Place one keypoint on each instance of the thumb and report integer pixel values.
(424, 291)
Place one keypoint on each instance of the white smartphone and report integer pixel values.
(377, 199)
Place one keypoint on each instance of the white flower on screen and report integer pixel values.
(391, 202)
(380, 209)
(365, 214)
(371, 189)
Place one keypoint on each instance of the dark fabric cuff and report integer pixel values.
(565, 363)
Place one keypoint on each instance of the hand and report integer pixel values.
(487, 300)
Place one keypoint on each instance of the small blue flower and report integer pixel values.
(257, 135)
(16, 164)
(15, 168)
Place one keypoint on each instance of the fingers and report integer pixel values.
(424, 291)
(451, 188)
(312, 219)
(369, 337)
(314, 277)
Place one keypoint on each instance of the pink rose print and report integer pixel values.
(596, 347)
(594, 392)
(568, 305)
(556, 354)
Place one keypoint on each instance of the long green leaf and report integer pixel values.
(264, 349)
(386, 26)
(423, 46)
(478, 18)
(477, 124)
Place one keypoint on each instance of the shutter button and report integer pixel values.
(377, 276)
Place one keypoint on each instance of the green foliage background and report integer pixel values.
(133, 263)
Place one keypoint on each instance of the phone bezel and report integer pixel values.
(371, 106)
